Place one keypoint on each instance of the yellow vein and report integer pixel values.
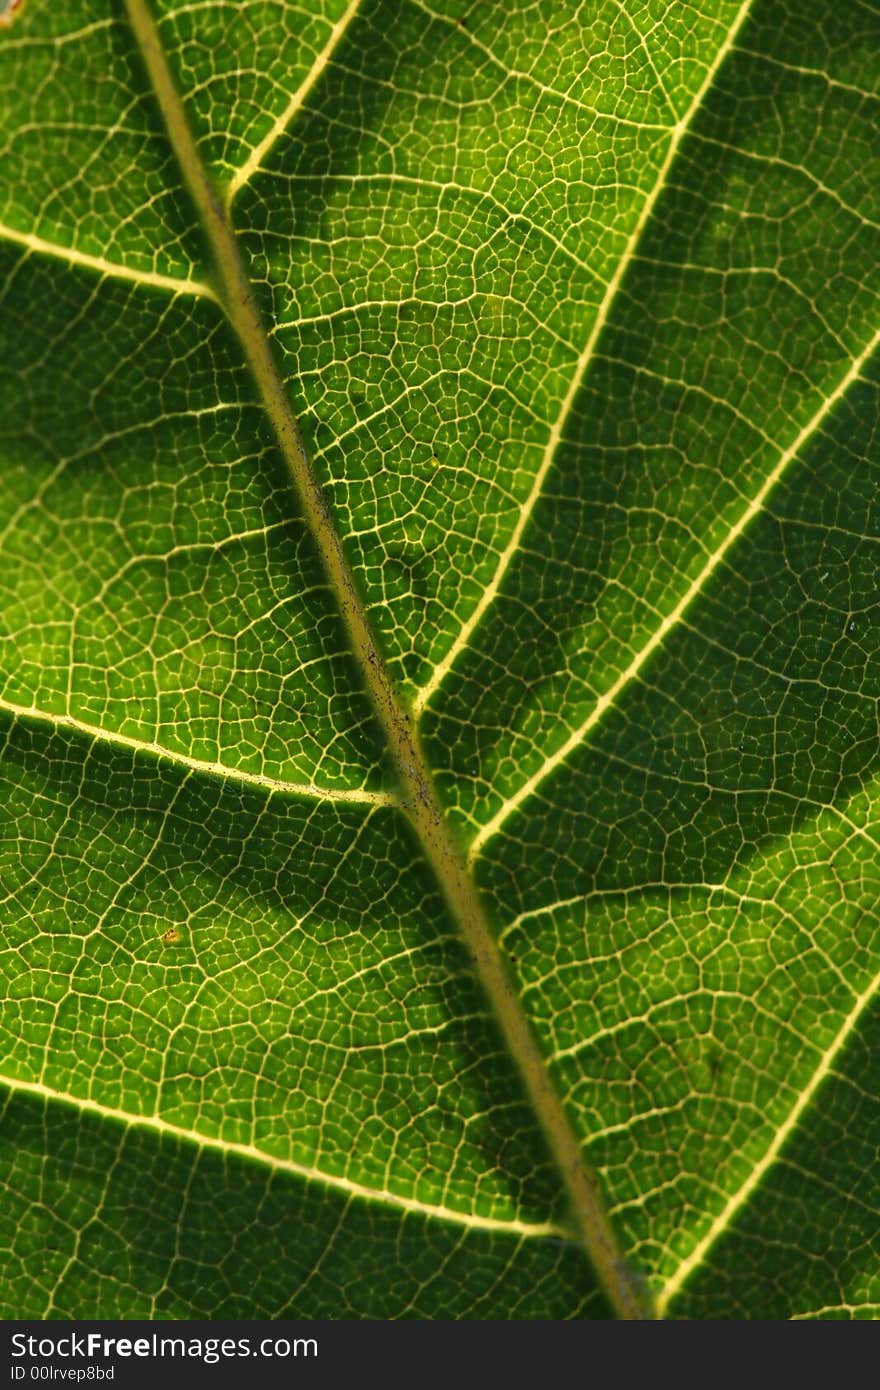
(297, 101)
(657, 638)
(148, 278)
(872, 1308)
(739, 1198)
(522, 75)
(591, 1223)
(489, 594)
(211, 769)
(307, 1172)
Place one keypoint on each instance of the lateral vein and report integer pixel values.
(739, 1198)
(582, 365)
(297, 101)
(113, 739)
(754, 507)
(150, 279)
(308, 1172)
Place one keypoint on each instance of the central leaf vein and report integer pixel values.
(621, 1285)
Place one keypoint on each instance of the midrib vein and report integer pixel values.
(273, 785)
(307, 1172)
(591, 1225)
(489, 594)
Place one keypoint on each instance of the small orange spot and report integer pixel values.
(8, 11)
(171, 936)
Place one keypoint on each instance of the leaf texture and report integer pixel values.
(578, 311)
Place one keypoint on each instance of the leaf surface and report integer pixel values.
(579, 315)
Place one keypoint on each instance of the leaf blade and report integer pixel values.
(419, 801)
(694, 882)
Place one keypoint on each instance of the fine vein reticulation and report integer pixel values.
(623, 1288)
(678, 133)
(579, 320)
(226, 1149)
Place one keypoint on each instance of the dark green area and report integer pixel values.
(133, 1224)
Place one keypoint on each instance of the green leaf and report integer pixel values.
(579, 318)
